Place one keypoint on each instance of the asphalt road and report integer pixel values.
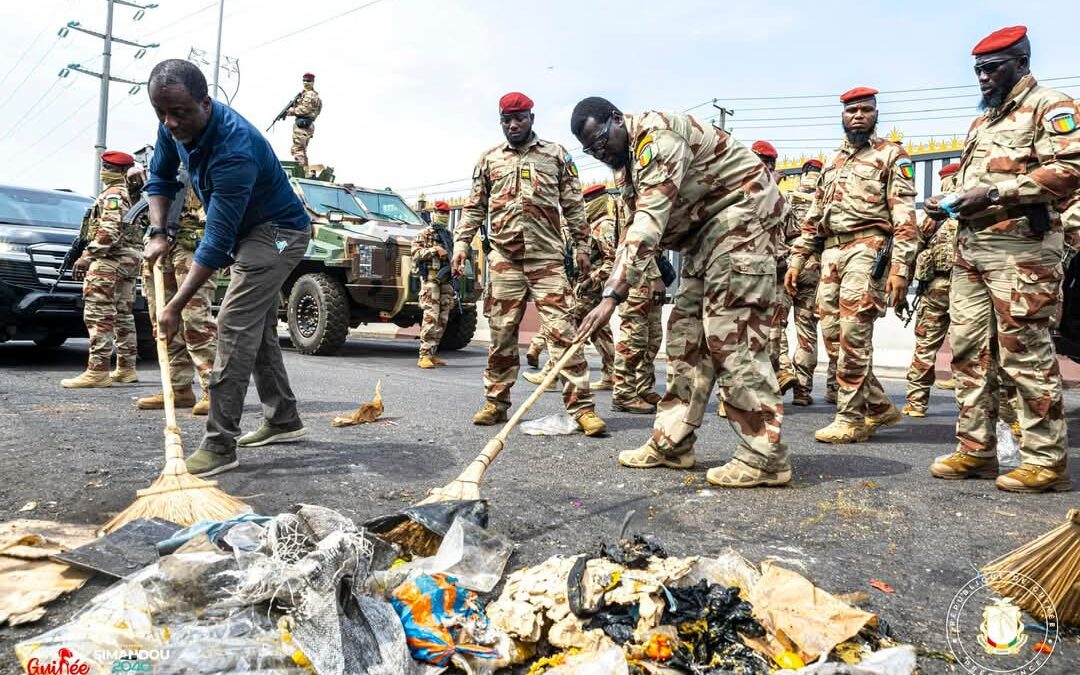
(852, 514)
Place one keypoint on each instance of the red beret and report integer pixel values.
(309, 76)
(117, 158)
(513, 102)
(597, 189)
(442, 206)
(949, 169)
(999, 40)
(857, 94)
(764, 148)
(815, 163)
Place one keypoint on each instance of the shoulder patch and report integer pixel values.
(1061, 119)
(906, 168)
(645, 151)
(112, 202)
(571, 168)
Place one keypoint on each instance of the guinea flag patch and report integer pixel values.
(571, 168)
(907, 169)
(112, 202)
(645, 151)
(1061, 120)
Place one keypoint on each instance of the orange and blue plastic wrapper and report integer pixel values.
(432, 609)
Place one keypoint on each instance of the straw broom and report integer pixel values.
(417, 538)
(1053, 562)
(176, 495)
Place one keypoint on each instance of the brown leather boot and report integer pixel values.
(801, 397)
(183, 397)
(1031, 478)
(961, 465)
(203, 406)
(635, 406)
(786, 380)
(651, 398)
(489, 415)
(591, 424)
(88, 379)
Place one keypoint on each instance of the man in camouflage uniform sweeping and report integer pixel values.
(694, 189)
(110, 264)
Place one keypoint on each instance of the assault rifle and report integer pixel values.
(75, 251)
(444, 275)
(907, 312)
(285, 111)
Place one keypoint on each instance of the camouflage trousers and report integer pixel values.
(640, 334)
(931, 328)
(804, 303)
(512, 284)
(108, 303)
(718, 332)
(1001, 319)
(849, 301)
(778, 342)
(193, 348)
(300, 140)
(537, 344)
(436, 299)
(602, 340)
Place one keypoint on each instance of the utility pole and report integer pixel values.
(217, 52)
(724, 112)
(105, 75)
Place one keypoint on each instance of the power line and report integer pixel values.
(12, 127)
(22, 56)
(17, 87)
(306, 28)
(75, 137)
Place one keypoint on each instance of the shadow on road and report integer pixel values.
(817, 469)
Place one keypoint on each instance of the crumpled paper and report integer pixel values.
(28, 579)
(365, 414)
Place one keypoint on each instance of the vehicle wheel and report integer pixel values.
(145, 345)
(318, 314)
(459, 328)
(51, 340)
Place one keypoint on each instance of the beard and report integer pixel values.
(995, 99)
(859, 138)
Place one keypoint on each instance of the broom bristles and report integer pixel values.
(179, 497)
(1053, 562)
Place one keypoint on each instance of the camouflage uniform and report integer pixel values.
(309, 106)
(933, 267)
(114, 250)
(692, 188)
(601, 216)
(1007, 277)
(436, 297)
(524, 189)
(864, 196)
(194, 346)
(778, 342)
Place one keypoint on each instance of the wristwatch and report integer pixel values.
(613, 294)
(994, 195)
(155, 231)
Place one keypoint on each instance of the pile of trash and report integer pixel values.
(310, 591)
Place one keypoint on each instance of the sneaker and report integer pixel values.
(1031, 478)
(737, 474)
(964, 465)
(88, 379)
(124, 375)
(603, 384)
(489, 415)
(182, 398)
(537, 378)
(269, 433)
(912, 410)
(203, 463)
(786, 379)
(652, 398)
(591, 424)
(947, 385)
(425, 362)
(885, 419)
(635, 406)
(801, 397)
(203, 406)
(648, 457)
(843, 432)
(438, 362)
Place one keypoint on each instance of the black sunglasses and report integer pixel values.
(991, 67)
(600, 142)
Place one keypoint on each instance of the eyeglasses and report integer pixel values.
(600, 142)
(990, 67)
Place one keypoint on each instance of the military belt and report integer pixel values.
(846, 237)
(1008, 213)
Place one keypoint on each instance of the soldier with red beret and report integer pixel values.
(304, 111)
(110, 264)
(865, 200)
(431, 262)
(1021, 161)
(525, 184)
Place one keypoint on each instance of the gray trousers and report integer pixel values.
(247, 336)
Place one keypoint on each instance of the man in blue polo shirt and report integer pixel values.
(255, 223)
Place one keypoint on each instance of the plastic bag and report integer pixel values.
(611, 661)
(727, 569)
(559, 424)
(891, 661)
(470, 554)
(1008, 451)
(436, 613)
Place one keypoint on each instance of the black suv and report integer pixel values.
(37, 227)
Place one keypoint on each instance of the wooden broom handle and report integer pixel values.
(163, 356)
(504, 433)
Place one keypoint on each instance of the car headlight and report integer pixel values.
(9, 247)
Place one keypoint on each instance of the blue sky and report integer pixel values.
(410, 86)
